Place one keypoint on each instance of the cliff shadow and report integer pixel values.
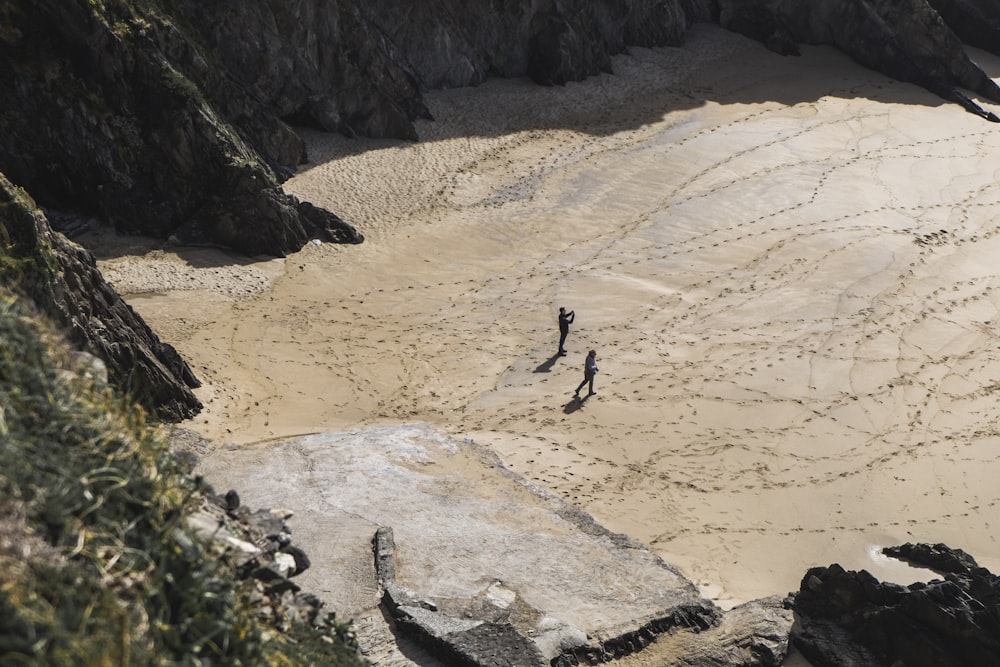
(106, 244)
(713, 67)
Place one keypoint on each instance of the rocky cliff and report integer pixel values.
(62, 280)
(119, 111)
(177, 119)
(919, 41)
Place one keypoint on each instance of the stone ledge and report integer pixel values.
(481, 643)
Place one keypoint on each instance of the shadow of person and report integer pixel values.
(547, 365)
(574, 404)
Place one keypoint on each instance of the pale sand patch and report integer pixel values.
(786, 265)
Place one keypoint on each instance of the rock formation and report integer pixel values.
(118, 111)
(850, 618)
(975, 22)
(486, 631)
(908, 40)
(177, 120)
(62, 280)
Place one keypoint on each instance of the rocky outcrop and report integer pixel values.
(919, 41)
(850, 618)
(118, 111)
(259, 544)
(321, 63)
(499, 628)
(452, 44)
(975, 22)
(176, 120)
(62, 280)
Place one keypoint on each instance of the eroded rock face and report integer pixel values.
(62, 280)
(321, 63)
(453, 43)
(121, 113)
(919, 41)
(975, 22)
(174, 120)
(850, 618)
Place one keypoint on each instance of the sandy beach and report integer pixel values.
(787, 267)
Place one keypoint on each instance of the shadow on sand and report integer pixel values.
(547, 365)
(575, 404)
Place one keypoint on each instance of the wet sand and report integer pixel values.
(786, 267)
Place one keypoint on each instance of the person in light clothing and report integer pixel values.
(589, 371)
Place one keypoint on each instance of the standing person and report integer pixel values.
(589, 371)
(565, 319)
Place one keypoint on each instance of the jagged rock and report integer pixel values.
(300, 559)
(451, 43)
(937, 557)
(314, 62)
(63, 281)
(174, 121)
(905, 39)
(752, 634)
(245, 537)
(850, 618)
(761, 22)
(118, 111)
(975, 22)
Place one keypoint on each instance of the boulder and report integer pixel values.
(850, 618)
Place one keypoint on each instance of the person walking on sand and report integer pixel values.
(565, 319)
(589, 371)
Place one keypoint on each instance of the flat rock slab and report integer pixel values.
(472, 539)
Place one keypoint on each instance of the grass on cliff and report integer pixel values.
(97, 564)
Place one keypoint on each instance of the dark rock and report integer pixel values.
(905, 39)
(758, 21)
(937, 557)
(174, 121)
(850, 618)
(562, 50)
(469, 643)
(62, 280)
(148, 128)
(232, 500)
(451, 43)
(269, 523)
(302, 562)
(975, 22)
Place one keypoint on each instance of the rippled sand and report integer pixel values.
(787, 267)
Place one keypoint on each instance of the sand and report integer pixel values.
(786, 267)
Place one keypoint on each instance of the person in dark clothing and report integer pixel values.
(565, 319)
(589, 371)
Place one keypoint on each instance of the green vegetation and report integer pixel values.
(98, 565)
